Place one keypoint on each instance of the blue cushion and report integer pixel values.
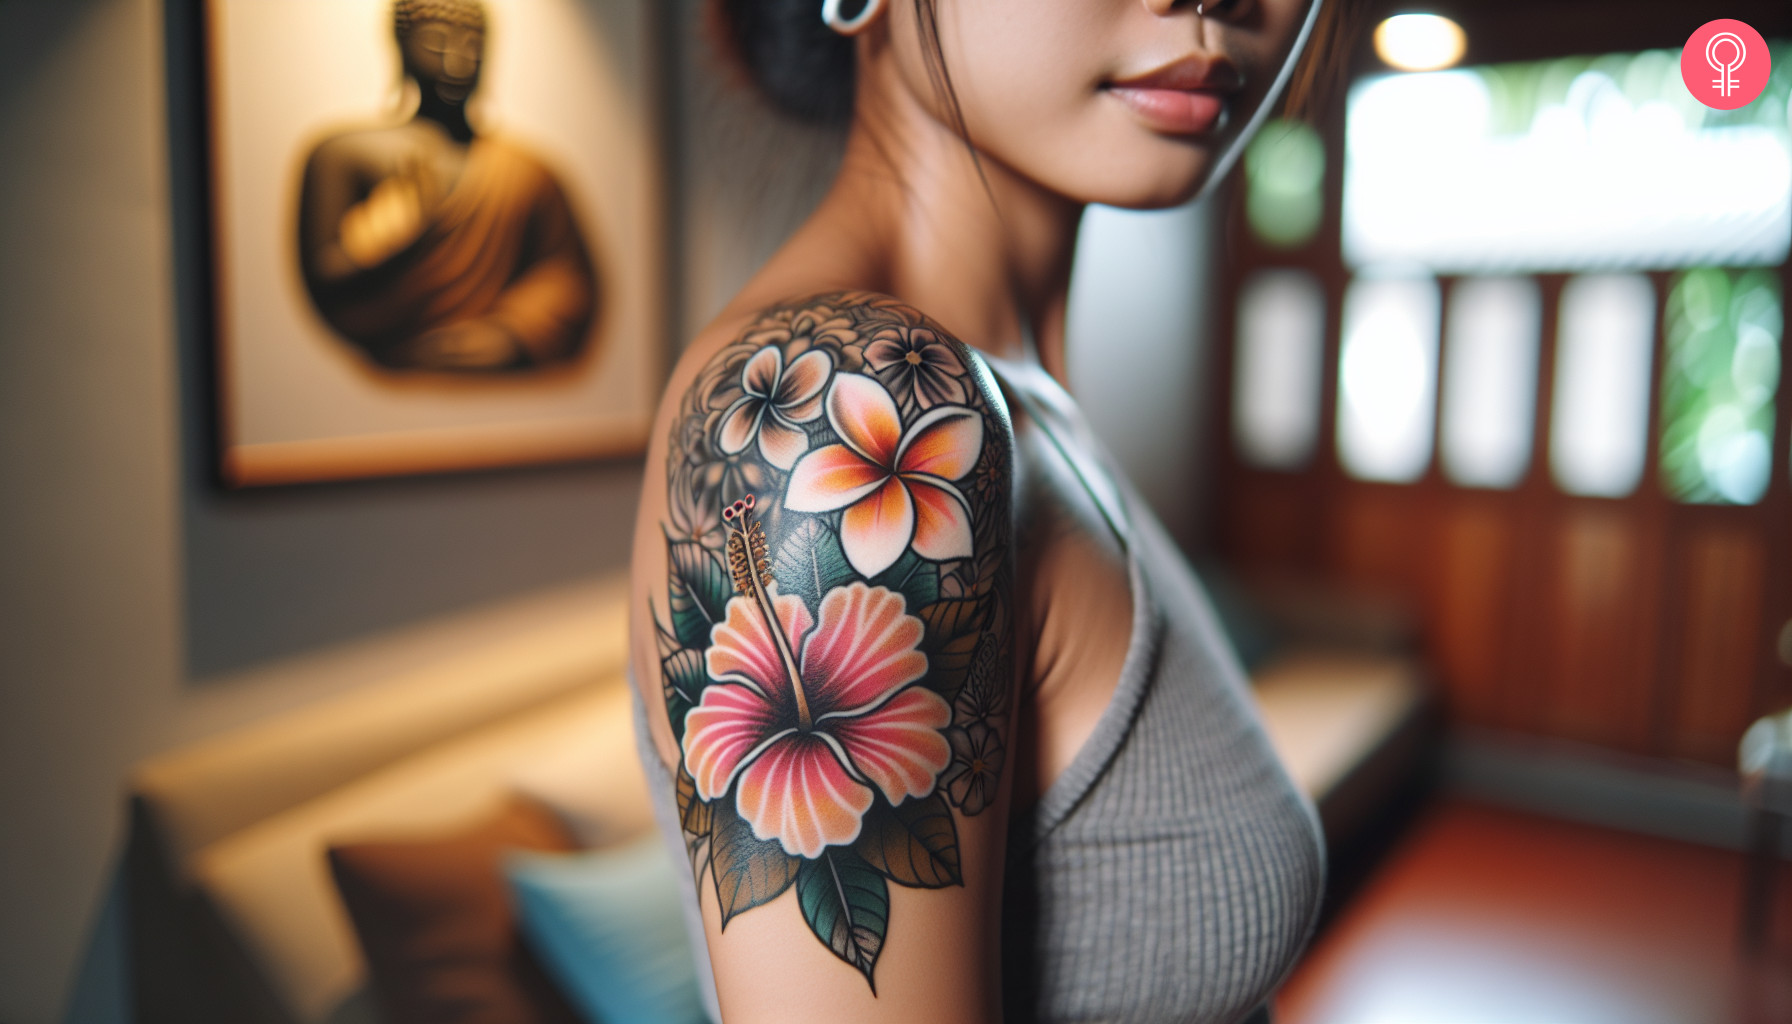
(609, 927)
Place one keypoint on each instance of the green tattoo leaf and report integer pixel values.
(810, 563)
(697, 592)
(913, 844)
(695, 820)
(684, 677)
(662, 637)
(948, 667)
(948, 620)
(693, 814)
(985, 692)
(847, 906)
(748, 872)
(914, 577)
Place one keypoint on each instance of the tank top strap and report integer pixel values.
(1047, 403)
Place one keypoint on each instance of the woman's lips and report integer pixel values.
(1184, 97)
(1174, 111)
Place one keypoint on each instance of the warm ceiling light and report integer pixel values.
(1420, 42)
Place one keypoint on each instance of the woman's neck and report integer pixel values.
(987, 255)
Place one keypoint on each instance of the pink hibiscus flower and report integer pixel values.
(778, 399)
(806, 757)
(895, 484)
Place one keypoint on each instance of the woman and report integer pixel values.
(940, 714)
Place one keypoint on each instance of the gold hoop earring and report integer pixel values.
(830, 14)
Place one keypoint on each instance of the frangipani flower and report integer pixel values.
(917, 367)
(976, 767)
(806, 762)
(894, 484)
(808, 328)
(778, 399)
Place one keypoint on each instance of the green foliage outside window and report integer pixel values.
(1285, 176)
(1722, 370)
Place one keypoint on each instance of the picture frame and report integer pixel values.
(402, 284)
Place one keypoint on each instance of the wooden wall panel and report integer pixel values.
(1717, 614)
(1471, 593)
(1603, 646)
(1270, 522)
(1379, 537)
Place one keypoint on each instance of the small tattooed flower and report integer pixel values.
(806, 762)
(809, 329)
(727, 475)
(895, 484)
(989, 480)
(776, 401)
(917, 367)
(695, 513)
(976, 767)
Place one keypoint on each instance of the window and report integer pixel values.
(1599, 419)
(1490, 380)
(1719, 378)
(1285, 172)
(1387, 377)
(1275, 387)
(1600, 163)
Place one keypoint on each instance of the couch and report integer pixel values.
(234, 915)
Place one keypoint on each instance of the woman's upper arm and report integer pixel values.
(835, 653)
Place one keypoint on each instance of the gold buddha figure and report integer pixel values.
(432, 247)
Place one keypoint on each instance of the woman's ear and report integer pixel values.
(850, 26)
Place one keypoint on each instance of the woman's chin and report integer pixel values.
(1143, 171)
(1148, 188)
(1156, 198)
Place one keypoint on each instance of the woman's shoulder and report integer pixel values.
(792, 351)
(860, 417)
(830, 598)
(861, 331)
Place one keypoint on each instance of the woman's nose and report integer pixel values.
(1205, 8)
(1163, 8)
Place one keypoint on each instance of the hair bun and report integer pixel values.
(804, 67)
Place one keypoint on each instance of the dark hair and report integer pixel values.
(806, 69)
(1326, 60)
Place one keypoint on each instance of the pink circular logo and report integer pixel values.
(1725, 64)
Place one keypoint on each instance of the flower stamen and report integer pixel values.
(751, 570)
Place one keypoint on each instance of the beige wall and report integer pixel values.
(140, 608)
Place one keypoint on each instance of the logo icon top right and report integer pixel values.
(1725, 64)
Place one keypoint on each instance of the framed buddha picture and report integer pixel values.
(436, 234)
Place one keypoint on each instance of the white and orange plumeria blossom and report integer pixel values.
(777, 401)
(895, 484)
(809, 787)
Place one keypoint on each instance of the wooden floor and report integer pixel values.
(1487, 916)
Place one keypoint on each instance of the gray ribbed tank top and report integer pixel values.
(1172, 873)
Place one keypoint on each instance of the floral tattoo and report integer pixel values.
(833, 648)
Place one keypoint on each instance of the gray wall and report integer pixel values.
(140, 608)
(1138, 336)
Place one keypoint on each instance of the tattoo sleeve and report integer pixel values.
(834, 633)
